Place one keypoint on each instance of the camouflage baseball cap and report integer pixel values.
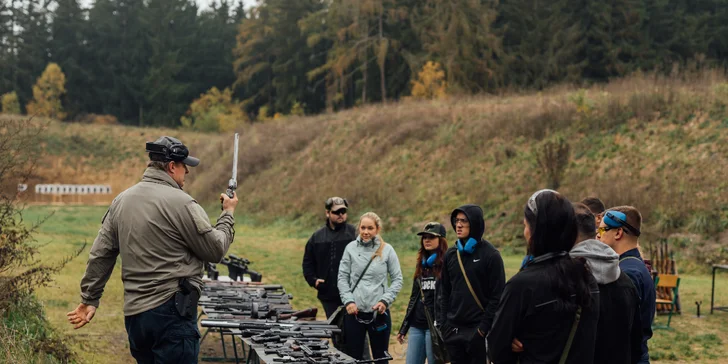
(433, 228)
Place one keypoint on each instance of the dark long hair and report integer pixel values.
(439, 261)
(553, 230)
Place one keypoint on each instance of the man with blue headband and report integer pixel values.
(620, 229)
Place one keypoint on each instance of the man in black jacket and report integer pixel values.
(467, 314)
(323, 253)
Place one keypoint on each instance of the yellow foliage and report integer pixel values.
(47, 93)
(214, 110)
(10, 103)
(297, 109)
(430, 82)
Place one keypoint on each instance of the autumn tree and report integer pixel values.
(47, 93)
(10, 103)
(430, 82)
(214, 110)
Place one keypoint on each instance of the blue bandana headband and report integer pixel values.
(618, 219)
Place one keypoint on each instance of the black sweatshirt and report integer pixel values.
(322, 257)
(532, 311)
(415, 315)
(484, 267)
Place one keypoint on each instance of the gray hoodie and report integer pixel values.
(602, 260)
(373, 286)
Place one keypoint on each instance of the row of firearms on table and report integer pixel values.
(263, 313)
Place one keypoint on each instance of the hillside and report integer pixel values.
(660, 144)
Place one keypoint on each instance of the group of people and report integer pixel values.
(583, 293)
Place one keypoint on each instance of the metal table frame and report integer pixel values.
(712, 291)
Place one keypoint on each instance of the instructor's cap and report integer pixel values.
(433, 228)
(168, 149)
(336, 203)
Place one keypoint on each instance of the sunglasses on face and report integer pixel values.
(339, 212)
(603, 229)
(429, 237)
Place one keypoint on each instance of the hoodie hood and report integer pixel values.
(475, 216)
(602, 260)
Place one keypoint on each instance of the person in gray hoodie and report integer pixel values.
(619, 335)
(367, 264)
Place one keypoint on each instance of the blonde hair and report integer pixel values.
(378, 222)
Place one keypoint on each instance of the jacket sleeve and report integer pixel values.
(343, 279)
(309, 263)
(493, 289)
(446, 288)
(507, 319)
(395, 274)
(102, 259)
(413, 296)
(206, 242)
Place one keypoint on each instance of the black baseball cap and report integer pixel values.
(433, 228)
(168, 149)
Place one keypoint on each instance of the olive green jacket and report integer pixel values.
(162, 235)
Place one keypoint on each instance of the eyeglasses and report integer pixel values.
(428, 237)
(367, 322)
(339, 212)
(462, 221)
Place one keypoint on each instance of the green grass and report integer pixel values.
(276, 251)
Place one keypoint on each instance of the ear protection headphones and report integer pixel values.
(469, 246)
(430, 261)
(176, 152)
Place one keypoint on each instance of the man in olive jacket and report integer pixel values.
(163, 237)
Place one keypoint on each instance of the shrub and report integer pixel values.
(553, 158)
(214, 110)
(10, 103)
(47, 93)
(430, 82)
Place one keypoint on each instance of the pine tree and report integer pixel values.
(460, 35)
(542, 41)
(68, 50)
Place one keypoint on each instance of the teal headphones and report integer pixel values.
(469, 246)
(429, 262)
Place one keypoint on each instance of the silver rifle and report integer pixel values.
(233, 183)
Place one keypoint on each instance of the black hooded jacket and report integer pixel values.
(484, 268)
(322, 257)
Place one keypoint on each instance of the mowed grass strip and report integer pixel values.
(276, 251)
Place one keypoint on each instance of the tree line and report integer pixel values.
(149, 62)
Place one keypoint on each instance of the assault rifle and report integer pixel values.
(211, 271)
(237, 267)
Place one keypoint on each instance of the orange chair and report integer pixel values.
(670, 281)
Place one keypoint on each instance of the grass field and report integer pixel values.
(276, 251)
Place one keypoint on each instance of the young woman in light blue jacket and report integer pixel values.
(367, 264)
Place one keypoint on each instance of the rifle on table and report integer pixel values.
(211, 271)
(237, 267)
